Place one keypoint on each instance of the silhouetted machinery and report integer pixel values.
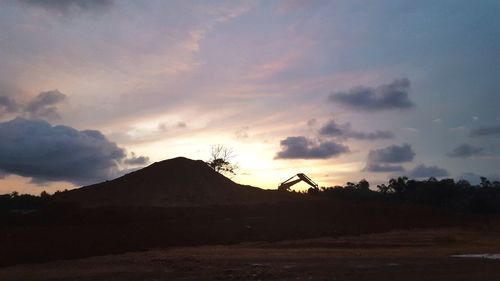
(285, 186)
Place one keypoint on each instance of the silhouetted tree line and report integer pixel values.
(448, 193)
(458, 195)
(23, 202)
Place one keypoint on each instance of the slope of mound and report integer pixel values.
(170, 183)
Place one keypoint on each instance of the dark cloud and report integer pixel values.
(65, 6)
(136, 160)
(377, 135)
(7, 105)
(422, 171)
(392, 154)
(45, 105)
(385, 97)
(36, 149)
(332, 129)
(303, 148)
(383, 168)
(386, 159)
(465, 151)
(485, 131)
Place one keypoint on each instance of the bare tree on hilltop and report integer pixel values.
(221, 158)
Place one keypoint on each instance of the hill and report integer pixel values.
(177, 182)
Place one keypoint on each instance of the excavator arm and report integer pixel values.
(307, 180)
(285, 186)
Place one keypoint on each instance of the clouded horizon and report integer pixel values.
(339, 90)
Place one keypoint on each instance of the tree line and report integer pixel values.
(458, 195)
(24, 202)
(447, 193)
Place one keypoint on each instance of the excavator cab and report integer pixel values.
(285, 186)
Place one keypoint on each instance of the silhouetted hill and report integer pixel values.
(177, 182)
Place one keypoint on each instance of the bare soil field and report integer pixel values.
(65, 234)
(418, 254)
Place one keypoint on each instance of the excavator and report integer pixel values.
(285, 186)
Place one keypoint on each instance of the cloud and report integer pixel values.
(458, 129)
(311, 122)
(377, 135)
(392, 154)
(36, 149)
(384, 159)
(242, 133)
(465, 151)
(385, 97)
(66, 6)
(331, 128)
(7, 105)
(485, 131)
(181, 125)
(383, 168)
(162, 127)
(165, 127)
(422, 171)
(474, 178)
(302, 148)
(136, 160)
(411, 130)
(44, 105)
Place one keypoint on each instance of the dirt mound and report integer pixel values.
(177, 182)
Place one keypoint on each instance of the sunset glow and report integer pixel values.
(339, 90)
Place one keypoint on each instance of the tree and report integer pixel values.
(221, 158)
(350, 186)
(363, 185)
(463, 184)
(398, 185)
(485, 182)
(383, 188)
(44, 195)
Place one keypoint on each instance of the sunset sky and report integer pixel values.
(339, 90)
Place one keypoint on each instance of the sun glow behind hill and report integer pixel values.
(258, 167)
(254, 150)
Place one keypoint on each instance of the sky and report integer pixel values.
(339, 90)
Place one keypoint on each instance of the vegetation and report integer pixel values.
(457, 195)
(221, 160)
(25, 202)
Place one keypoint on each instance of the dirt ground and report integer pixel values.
(419, 254)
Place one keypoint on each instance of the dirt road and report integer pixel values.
(398, 255)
